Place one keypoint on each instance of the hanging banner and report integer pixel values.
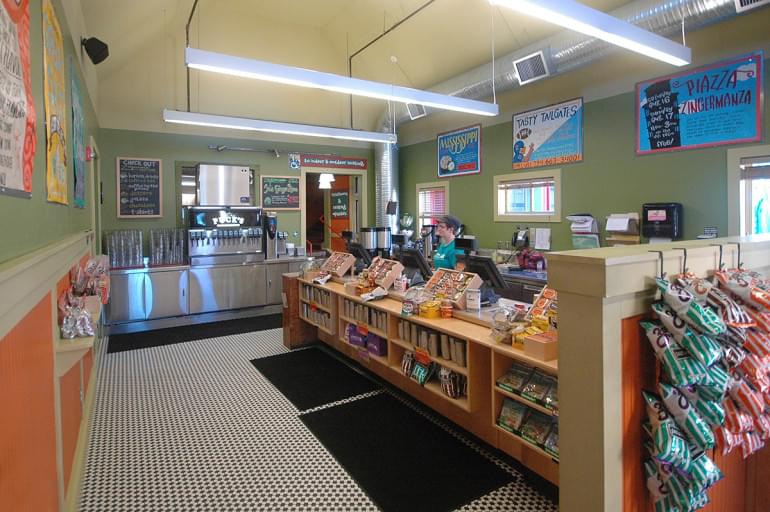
(78, 140)
(551, 135)
(332, 162)
(710, 106)
(17, 107)
(55, 91)
(459, 152)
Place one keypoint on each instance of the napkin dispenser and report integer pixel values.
(662, 221)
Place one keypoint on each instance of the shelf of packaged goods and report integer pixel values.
(324, 329)
(84, 343)
(439, 360)
(551, 367)
(327, 309)
(435, 388)
(535, 448)
(528, 403)
(369, 328)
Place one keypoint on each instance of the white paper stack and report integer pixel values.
(585, 231)
(622, 229)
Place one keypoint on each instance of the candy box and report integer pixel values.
(376, 345)
(355, 337)
(543, 346)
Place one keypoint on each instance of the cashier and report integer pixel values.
(446, 229)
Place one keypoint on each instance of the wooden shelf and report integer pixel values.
(525, 401)
(435, 388)
(324, 329)
(551, 367)
(75, 344)
(535, 448)
(371, 329)
(316, 304)
(440, 360)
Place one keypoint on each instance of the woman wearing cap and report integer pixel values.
(446, 229)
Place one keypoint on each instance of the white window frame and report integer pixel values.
(425, 186)
(734, 157)
(554, 174)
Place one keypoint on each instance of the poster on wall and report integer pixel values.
(280, 192)
(54, 85)
(459, 152)
(78, 140)
(709, 106)
(551, 135)
(340, 204)
(17, 107)
(140, 187)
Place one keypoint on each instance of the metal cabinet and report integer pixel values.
(165, 294)
(126, 297)
(219, 288)
(275, 282)
(296, 266)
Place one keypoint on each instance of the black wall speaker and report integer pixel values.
(97, 50)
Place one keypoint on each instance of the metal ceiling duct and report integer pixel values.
(564, 52)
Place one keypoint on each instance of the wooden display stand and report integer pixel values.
(338, 263)
(385, 271)
(296, 333)
(453, 285)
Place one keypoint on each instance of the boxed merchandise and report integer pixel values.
(355, 337)
(376, 345)
(543, 346)
(552, 441)
(338, 263)
(512, 415)
(536, 428)
(385, 272)
(537, 387)
(452, 285)
(516, 378)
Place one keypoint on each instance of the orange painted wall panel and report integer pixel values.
(69, 394)
(28, 430)
(341, 183)
(88, 361)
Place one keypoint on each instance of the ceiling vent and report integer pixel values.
(531, 68)
(747, 5)
(415, 111)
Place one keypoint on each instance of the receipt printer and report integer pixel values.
(662, 221)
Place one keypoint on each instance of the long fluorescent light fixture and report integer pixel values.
(580, 18)
(261, 70)
(258, 125)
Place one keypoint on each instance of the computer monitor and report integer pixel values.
(485, 267)
(414, 261)
(363, 257)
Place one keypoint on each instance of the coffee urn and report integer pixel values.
(383, 241)
(369, 239)
(271, 235)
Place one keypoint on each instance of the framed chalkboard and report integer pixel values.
(340, 203)
(280, 192)
(139, 187)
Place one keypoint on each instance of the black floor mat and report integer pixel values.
(171, 335)
(402, 460)
(311, 377)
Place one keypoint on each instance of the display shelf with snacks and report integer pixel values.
(453, 284)
(338, 263)
(517, 439)
(317, 297)
(375, 321)
(69, 351)
(383, 271)
(527, 402)
(443, 349)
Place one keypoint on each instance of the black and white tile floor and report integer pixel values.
(193, 426)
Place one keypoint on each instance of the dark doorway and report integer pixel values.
(314, 204)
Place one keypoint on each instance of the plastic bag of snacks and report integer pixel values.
(755, 371)
(670, 320)
(751, 443)
(536, 427)
(712, 412)
(698, 287)
(746, 286)
(686, 416)
(683, 303)
(761, 318)
(552, 441)
(702, 347)
(758, 344)
(731, 312)
(715, 384)
(736, 421)
(657, 487)
(762, 426)
(407, 362)
(703, 472)
(537, 387)
(515, 378)
(512, 415)
(451, 382)
(680, 367)
(746, 398)
(726, 440)
(668, 440)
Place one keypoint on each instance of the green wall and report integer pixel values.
(178, 150)
(29, 224)
(611, 178)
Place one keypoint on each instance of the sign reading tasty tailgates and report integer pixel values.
(551, 135)
(709, 106)
(332, 162)
(459, 152)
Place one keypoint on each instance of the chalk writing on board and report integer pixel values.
(139, 187)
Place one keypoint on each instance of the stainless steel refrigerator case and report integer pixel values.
(224, 185)
(146, 295)
(275, 282)
(223, 287)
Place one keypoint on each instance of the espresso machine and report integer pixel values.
(271, 236)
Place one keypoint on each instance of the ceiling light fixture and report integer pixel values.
(261, 70)
(580, 18)
(258, 125)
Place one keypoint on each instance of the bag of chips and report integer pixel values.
(683, 303)
(758, 344)
(701, 347)
(732, 313)
(680, 367)
(655, 484)
(726, 440)
(712, 412)
(668, 440)
(746, 398)
(746, 287)
(755, 371)
(552, 441)
(703, 472)
(670, 320)
(751, 443)
(515, 378)
(761, 318)
(736, 421)
(762, 426)
(512, 415)
(715, 384)
(698, 287)
(536, 427)
(686, 416)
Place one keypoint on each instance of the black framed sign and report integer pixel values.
(139, 187)
(340, 204)
(280, 192)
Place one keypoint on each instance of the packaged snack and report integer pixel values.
(682, 302)
(538, 385)
(751, 443)
(516, 378)
(551, 399)
(746, 398)
(732, 314)
(715, 384)
(758, 344)
(698, 287)
(746, 287)
(552, 441)
(680, 491)
(680, 367)
(655, 484)
(536, 427)
(762, 427)
(686, 416)
(421, 372)
(726, 440)
(755, 370)
(736, 421)
(407, 362)
(712, 412)
(668, 440)
(512, 415)
(701, 347)
(703, 472)
(671, 321)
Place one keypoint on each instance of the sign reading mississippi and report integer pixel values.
(709, 106)
(551, 135)
(459, 152)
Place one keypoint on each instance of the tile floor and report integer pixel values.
(193, 426)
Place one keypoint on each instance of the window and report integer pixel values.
(432, 202)
(755, 195)
(533, 196)
(187, 185)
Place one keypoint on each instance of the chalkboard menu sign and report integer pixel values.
(280, 192)
(708, 106)
(140, 187)
(340, 204)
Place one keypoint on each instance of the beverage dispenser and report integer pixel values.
(222, 230)
(271, 235)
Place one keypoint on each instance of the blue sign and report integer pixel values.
(459, 152)
(709, 106)
(551, 135)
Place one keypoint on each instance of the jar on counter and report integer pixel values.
(446, 308)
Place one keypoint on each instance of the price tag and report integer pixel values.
(422, 356)
(363, 329)
(313, 307)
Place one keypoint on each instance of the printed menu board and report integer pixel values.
(139, 187)
(280, 192)
(340, 204)
(708, 106)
